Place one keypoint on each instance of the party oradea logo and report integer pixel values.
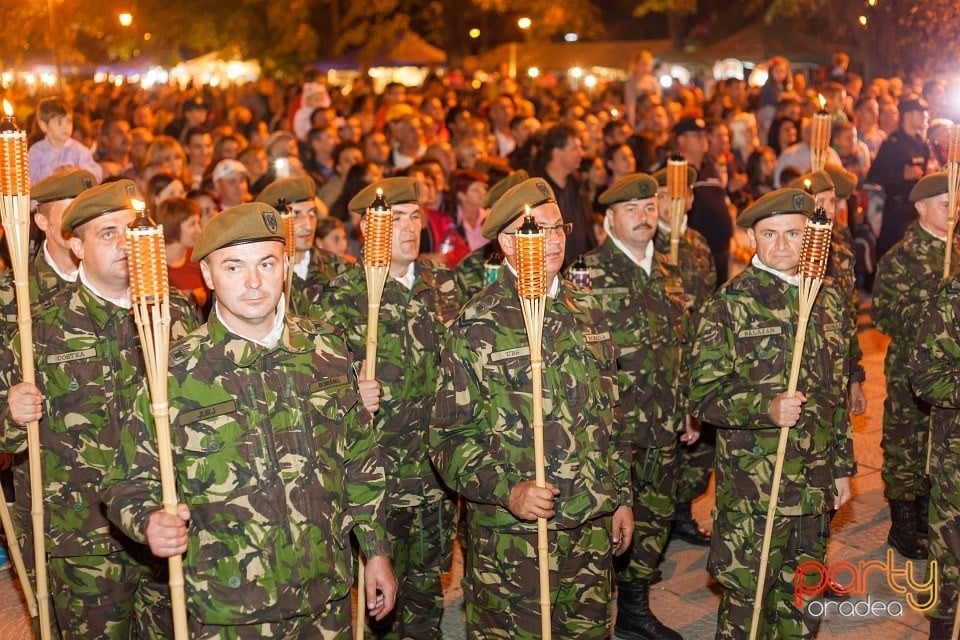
(912, 589)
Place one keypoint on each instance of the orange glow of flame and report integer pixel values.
(823, 101)
(138, 205)
(7, 108)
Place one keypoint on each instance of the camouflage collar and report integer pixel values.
(244, 353)
(99, 310)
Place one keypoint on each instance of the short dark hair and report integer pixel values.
(50, 108)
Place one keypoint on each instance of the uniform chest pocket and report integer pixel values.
(218, 455)
(762, 352)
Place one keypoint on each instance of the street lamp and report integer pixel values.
(125, 19)
(524, 23)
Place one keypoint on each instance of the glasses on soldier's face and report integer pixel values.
(561, 228)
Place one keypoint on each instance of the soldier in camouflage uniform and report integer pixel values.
(419, 301)
(482, 441)
(698, 274)
(907, 276)
(276, 459)
(53, 269)
(738, 375)
(934, 371)
(480, 266)
(88, 366)
(313, 268)
(643, 301)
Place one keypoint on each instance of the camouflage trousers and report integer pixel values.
(654, 495)
(906, 428)
(115, 597)
(502, 588)
(944, 541)
(422, 541)
(696, 464)
(734, 561)
(333, 623)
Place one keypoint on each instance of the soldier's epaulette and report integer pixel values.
(179, 353)
(480, 305)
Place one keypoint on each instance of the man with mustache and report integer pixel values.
(419, 302)
(482, 443)
(276, 459)
(643, 301)
(89, 366)
(313, 268)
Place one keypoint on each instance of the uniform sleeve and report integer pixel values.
(934, 364)
(462, 428)
(131, 490)
(13, 436)
(718, 393)
(889, 294)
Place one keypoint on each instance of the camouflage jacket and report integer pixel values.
(411, 329)
(933, 363)
(44, 283)
(482, 435)
(741, 360)
(697, 271)
(88, 365)
(305, 294)
(907, 277)
(277, 460)
(647, 322)
(840, 269)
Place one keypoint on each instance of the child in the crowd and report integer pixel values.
(58, 148)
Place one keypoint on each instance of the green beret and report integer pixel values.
(776, 203)
(62, 186)
(532, 192)
(290, 189)
(844, 182)
(99, 201)
(929, 186)
(501, 187)
(661, 176)
(813, 183)
(395, 191)
(243, 224)
(635, 186)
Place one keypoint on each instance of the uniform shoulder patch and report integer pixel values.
(178, 354)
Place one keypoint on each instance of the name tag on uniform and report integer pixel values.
(610, 291)
(832, 326)
(597, 337)
(674, 290)
(219, 409)
(82, 354)
(336, 381)
(759, 333)
(519, 352)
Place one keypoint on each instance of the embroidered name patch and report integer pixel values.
(336, 381)
(83, 354)
(519, 352)
(219, 409)
(597, 337)
(762, 331)
(832, 326)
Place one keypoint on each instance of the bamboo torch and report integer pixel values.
(953, 188)
(15, 214)
(532, 287)
(814, 255)
(377, 253)
(677, 193)
(819, 137)
(150, 297)
(289, 219)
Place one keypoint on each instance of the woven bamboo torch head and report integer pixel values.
(815, 250)
(378, 235)
(531, 248)
(147, 255)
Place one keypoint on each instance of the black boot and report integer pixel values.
(940, 629)
(635, 621)
(903, 530)
(923, 516)
(686, 528)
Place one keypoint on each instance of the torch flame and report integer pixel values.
(822, 100)
(138, 205)
(7, 108)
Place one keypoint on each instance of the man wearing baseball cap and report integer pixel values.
(276, 458)
(231, 183)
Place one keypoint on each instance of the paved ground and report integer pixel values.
(684, 599)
